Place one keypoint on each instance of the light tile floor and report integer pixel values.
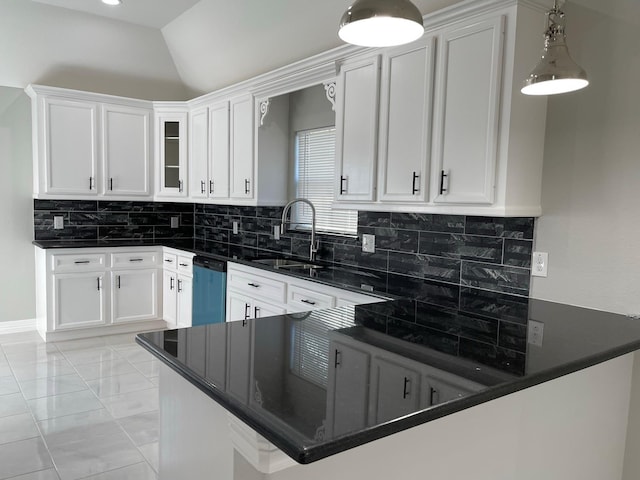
(80, 409)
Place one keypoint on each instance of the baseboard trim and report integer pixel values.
(18, 326)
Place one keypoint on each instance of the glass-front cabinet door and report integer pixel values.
(171, 136)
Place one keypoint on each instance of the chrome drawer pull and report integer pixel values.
(309, 302)
(82, 262)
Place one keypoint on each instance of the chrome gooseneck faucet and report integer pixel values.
(314, 247)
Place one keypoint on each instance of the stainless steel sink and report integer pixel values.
(287, 263)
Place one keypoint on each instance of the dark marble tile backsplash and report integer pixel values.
(477, 267)
(112, 220)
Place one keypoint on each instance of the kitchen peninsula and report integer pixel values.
(393, 400)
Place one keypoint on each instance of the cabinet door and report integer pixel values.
(185, 301)
(357, 129)
(219, 159)
(70, 147)
(467, 112)
(395, 390)
(239, 359)
(238, 307)
(125, 150)
(242, 136)
(348, 388)
(172, 152)
(134, 295)
(169, 298)
(199, 153)
(79, 300)
(405, 122)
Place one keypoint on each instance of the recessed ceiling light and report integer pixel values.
(112, 2)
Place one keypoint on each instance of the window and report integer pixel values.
(314, 179)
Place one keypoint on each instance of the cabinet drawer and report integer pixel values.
(134, 259)
(257, 286)
(170, 260)
(78, 263)
(299, 297)
(185, 265)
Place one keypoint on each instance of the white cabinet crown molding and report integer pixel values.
(34, 91)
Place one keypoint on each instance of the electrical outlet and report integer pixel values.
(535, 333)
(235, 227)
(539, 264)
(58, 222)
(276, 232)
(175, 222)
(368, 243)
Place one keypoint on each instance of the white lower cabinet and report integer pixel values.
(79, 300)
(88, 292)
(134, 295)
(177, 288)
(255, 293)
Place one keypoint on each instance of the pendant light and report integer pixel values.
(556, 72)
(381, 23)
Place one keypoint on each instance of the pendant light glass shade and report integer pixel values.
(381, 23)
(556, 72)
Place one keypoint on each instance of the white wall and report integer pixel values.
(17, 282)
(591, 182)
(64, 48)
(220, 42)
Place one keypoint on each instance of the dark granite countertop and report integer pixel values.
(303, 392)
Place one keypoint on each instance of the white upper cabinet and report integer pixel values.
(241, 165)
(68, 147)
(171, 152)
(467, 111)
(218, 186)
(357, 129)
(209, 152)
(88, 145)
(199, 153)
(405, 122)
(125, 150)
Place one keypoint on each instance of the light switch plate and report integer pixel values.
(175, 222)
(276, 232)
(235, 227)
(368, 243)
(58, 222)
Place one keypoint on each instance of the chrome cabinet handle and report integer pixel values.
(82, 262)
(247, 184)
(111, 184)
(201, 186)
(118, 281)
(98, 283)
(135, 259)
(168, 260)
(246, 312)
(171, 283)
(179, 286)
(184, 264)
(256, 312)
(210, 186)
(180, 186)
(308, 302)
(336, 358)
(90, 183)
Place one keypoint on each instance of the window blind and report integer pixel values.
(315, 177)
